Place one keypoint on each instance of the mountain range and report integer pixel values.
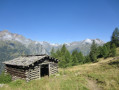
(13, 45)
(44, 47)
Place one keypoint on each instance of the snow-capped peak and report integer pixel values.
(88, 41)
(54, 44)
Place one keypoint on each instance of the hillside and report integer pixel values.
(103, 75)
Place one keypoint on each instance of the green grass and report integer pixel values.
(63, 82)
(105, 75)
(5, 78)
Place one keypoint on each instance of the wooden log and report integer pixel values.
(34, 71)
(33, 77)
(33, 74)
(16, 72)
(15, 69)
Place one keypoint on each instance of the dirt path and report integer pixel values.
(92, 85)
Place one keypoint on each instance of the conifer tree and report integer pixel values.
(81, 57)
(87, 59)
(108, 45)
(75, 57)
(93, 52)
(68, 59)
(52, 52)
(58, 54)
(100, 52)
(115, 37)
(113, 50)
(63, 49)
(64, 56)
(105, 51)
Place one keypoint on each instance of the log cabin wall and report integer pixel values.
(33, 73)
(15, 72)
(53, 67)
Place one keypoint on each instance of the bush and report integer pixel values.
(5, 78)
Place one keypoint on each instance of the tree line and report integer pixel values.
(68, 59)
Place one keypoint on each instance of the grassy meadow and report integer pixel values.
(103, 75)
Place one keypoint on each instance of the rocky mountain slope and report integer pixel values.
(45, 47)
(33, 46)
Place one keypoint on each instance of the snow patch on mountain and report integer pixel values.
(88, 41)
(54, 44)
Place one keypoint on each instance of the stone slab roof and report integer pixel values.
(27, 60)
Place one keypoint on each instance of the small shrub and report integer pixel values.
(5, 78)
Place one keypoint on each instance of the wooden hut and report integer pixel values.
(31, 67)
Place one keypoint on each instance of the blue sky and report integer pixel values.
(59, 21)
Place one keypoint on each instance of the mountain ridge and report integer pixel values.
(45, 47)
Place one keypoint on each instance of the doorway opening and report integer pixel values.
(44, 70)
